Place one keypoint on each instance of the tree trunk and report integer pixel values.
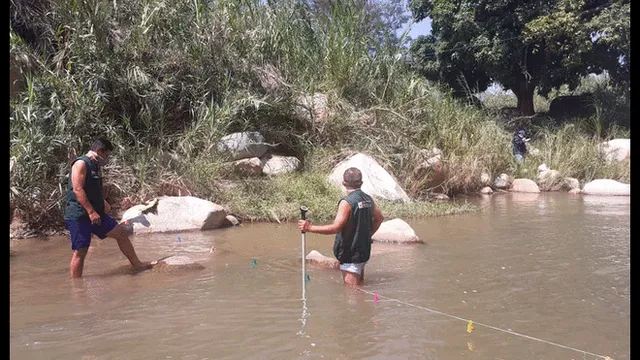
(524, 93)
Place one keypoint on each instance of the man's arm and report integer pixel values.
(344, 210)
(377, 218)
(78, 176)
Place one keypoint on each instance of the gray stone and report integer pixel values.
(242, 145)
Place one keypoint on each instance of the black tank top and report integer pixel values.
(93, 188)
(353, 243)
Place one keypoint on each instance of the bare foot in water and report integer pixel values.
(143, 266)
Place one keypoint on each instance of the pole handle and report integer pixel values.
(303, 213)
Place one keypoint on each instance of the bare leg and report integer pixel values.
(127, 249)
(351, 278)
(77, 262)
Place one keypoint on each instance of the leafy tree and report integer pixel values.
(522, 45)
(382, 19)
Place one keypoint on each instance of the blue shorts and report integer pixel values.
(80, 230)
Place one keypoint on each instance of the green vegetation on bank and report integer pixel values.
(279, 199)
(166, 80)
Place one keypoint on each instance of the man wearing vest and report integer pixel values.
(358, 218)
(86, 209)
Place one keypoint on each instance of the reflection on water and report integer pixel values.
(551, 266)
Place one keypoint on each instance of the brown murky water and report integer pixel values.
(552, 268)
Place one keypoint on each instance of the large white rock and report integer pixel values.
(616, 149)
(524, 186)
(606, 187)
(376, 181)
(316, 258)
(141, 209)
(242, 145)
(396, 231)
(276, 164)
(176, 213)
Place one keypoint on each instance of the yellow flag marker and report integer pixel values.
(470, 346)
(470, 327)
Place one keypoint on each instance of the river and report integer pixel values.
(542, 276)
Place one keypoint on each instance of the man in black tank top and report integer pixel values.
(358, 218)
(86, 210)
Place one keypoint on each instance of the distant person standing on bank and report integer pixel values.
(519, 145)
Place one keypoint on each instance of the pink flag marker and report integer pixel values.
(375, 298)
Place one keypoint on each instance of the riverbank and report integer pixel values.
(274, 199)
(316, 92)
(428, 174)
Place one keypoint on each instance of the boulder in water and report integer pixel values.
(606, 187)
(396, 231)
(316, 258)
(524, 186)
(176, 213)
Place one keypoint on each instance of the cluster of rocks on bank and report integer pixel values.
(250, 155)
